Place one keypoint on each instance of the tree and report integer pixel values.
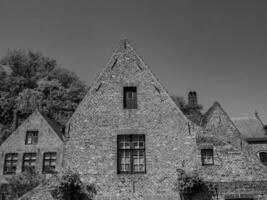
(180, 102)
(193, 112)
(29, 80)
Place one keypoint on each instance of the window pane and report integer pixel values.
(131, 153)
(138, 142)
(10, 163)
(207, 156)
(31, 137)
(8, 157)
(49, 163)
(124, 142)
(138, 160)
(263, 156)
(29, 160)
(130, 97)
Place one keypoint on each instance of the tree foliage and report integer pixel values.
(193, 112)
(72, 188)
(191, 186)
(29, 80)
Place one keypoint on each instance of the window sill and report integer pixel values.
(130, 173)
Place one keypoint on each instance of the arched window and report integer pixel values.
(263, 157)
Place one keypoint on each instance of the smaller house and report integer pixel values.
(37, 143)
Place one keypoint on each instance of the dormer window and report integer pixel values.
(263, 157)
(129, 98)
(207, 156)
(31, 137)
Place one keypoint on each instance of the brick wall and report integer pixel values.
(48, 141)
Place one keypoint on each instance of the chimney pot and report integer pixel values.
(192, 98)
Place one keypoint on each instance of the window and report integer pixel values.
(10, 163)
(263, 157)
(129, 98)
(207, 156)
(29, 160)
(131, 154)
(49, 163)
(31, 137)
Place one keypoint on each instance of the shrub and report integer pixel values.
(71, 187)
(23, 182)
(191, 186)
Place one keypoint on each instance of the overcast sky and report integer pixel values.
(218, 48)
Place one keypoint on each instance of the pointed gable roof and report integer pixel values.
(50, 122)
(216, 107)
(125, 54)
(218, 122)
(251, 129)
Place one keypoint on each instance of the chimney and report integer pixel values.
(192, 98)
(15, 119)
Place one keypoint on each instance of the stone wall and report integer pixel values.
(256, 148)
(93, 129)
(237, 172)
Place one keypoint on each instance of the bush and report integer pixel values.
(23, 182)
(191, 186)
(72, 188)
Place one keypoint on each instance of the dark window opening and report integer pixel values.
(29, 161)
(10, 163)
(263, 157)
(207, 156)
(130, 98)
(131, 154)
(31, 137)
(49, 162)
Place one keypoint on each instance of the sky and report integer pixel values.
(217, 48)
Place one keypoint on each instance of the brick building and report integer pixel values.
(130, 139)
(37, 143)
(255, 133)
